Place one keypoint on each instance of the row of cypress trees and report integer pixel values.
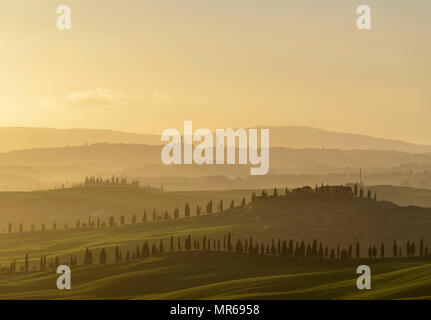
(284, 248)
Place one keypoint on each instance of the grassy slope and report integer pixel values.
(79, 203)
(330, 220)
(227, 276)
(68, 205)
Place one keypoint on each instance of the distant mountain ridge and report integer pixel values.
(298, 137)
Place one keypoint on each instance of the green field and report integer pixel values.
(331, 219)
(214, 275)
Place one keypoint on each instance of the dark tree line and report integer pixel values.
(276, 247)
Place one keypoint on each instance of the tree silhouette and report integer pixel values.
(314, 249)
(374, 252)
(320, 252)
(26, 265)
(394, 252)
(161, 246)
(229, 242)
(145, 252)
(179, 244)
(187, 210)
(88, 257)
(117, 254)
(238, 247)
(102, 257)
(358, 250)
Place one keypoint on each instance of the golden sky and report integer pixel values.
(147, 65)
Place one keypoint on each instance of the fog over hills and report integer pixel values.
(48, 167)
(18, 138)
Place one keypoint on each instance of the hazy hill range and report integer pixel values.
(307, 137)
(48, 167)
(17, 138)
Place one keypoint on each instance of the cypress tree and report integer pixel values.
(238, 247)
(408, 248)
(374, 251)
(273, 251)
(161, 246)
(145, 250)
(284, 249)
(308, 251)
(358, 250)
(102, 257)
(314, 249)
(290, 251)
(320, 253)
(394, 249)
(229, 242)
(26, 265)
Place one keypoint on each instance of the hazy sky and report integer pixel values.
(147, 65)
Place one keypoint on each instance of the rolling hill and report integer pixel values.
(219, 275)
(331, 219)
(17, 138)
